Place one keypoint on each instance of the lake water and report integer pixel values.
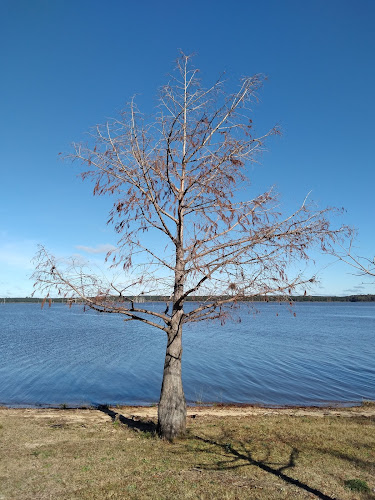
(54, 356)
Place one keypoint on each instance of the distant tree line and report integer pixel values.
(202, 298)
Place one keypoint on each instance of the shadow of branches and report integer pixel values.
(132, 423)
(241, 456)
(367, 465)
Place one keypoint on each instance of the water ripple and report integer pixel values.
(64, 356)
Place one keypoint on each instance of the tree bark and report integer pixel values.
(172, 404)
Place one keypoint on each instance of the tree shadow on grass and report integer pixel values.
(242, 457)
(365, 465)
(132, 423)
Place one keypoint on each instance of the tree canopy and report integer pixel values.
(175, 179)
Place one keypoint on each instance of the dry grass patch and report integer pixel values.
(90, 455)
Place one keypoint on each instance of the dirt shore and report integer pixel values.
(150, 412)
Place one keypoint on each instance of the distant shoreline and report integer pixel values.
(158, 298)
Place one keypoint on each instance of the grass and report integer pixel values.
(357, 485)
(368, 403)
(91, 454)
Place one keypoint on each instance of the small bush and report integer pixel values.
(357, 485)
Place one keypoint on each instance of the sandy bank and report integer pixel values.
(146, 412)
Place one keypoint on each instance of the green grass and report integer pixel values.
(357, 485)
(86, 455)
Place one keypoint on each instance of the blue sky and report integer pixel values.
(67, 65)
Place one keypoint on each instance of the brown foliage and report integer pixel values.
(176, 177)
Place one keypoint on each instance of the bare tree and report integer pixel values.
(363, 266)
(175, 179)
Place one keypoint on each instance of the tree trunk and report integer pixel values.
(172, 404)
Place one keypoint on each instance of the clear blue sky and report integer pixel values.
(67, 65)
